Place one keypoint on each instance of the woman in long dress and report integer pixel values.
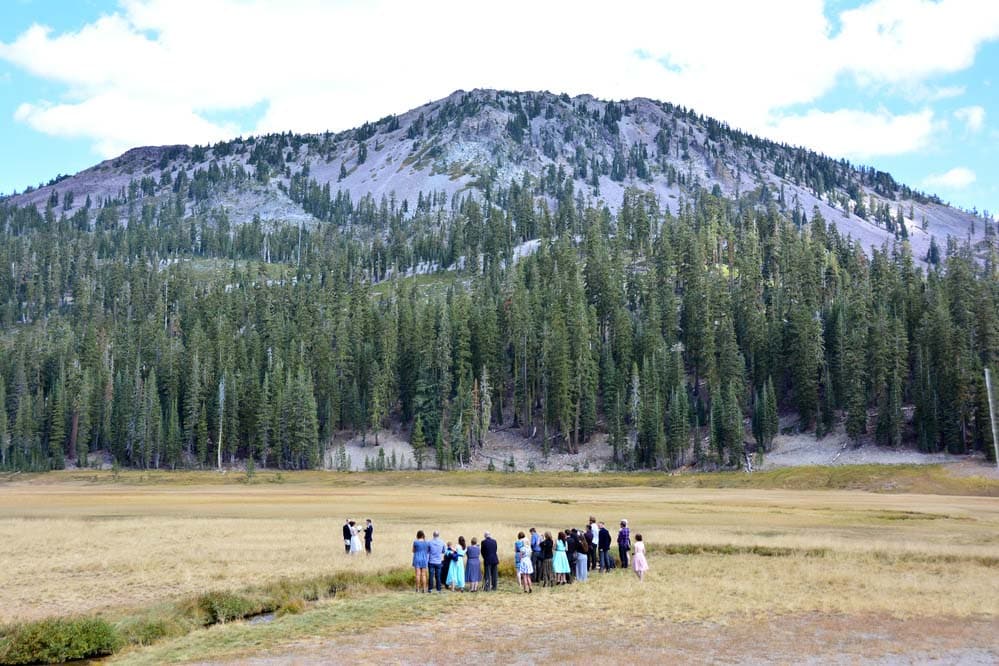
(560, 563)
(638, 559)
(456, 573)
(473, 566)
(355, 541)
(421, 559)
(547, 576)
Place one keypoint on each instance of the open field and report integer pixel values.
(772, 572)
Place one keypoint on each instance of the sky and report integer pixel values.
(906, 86)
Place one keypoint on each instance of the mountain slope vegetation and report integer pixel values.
(629, 270)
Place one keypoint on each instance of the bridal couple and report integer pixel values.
(352, 539)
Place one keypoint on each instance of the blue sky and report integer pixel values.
(906, 86)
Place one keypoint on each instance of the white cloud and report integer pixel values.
(955, 179)
(858, 133)
(152, 71)
(973, 117)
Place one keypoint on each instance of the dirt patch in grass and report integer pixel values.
(814, 638)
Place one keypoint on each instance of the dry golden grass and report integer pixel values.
(70, 545)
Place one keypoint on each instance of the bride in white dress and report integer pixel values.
(355, 542)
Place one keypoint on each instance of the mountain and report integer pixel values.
(475, 141)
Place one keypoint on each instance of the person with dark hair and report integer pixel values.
(582, 550)
(638, 561)
(456, 574)
(604, 543)
(525, 569)
(446, 563)
(518, 545)
(435, 561)
(473, 566)
(560, 562)
(624, 543)
(346, 536)
(421, 556)
(547, 575)
(369, 531)
(535, 554)
(592, 536)
(571, 550)
(490, 560)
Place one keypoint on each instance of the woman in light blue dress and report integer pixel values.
(456, 573)
(560, 564)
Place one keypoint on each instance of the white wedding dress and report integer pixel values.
(355, 542)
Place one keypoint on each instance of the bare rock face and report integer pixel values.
(471, 143)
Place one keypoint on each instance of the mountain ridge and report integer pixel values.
(472, 141)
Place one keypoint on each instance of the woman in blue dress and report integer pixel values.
(560, 563)
(473, 566)
(421, 557)
(456, 573)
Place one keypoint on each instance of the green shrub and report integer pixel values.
(225, 607)
(145, 631)
(58, 640)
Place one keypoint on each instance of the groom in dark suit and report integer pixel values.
(346, 536)
(490, 560)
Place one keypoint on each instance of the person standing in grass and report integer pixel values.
(446, 563)
(525, 569)
(490, 560)
(638, 561)
(369, 532)
(560, 563)
(346, 536)
(473, 566)
(518, 545)
(535, 554)
(592, 536)
(547, 553)
(624, 543)
(435, 550)
(421, 557)
(582, 550)
(604, 542)
(456, 573)
(355, 541)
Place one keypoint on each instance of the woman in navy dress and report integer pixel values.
(473, 566)
(421, 557)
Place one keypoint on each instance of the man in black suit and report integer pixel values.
(346, 536)
(490, 559)
(369, 532)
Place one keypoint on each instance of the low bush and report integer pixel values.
(55, 641)
(226, 606)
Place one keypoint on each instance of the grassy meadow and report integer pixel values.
(728, 553)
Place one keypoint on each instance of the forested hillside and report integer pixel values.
(158, 328)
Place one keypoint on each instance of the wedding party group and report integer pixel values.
(353, 533)
(539, 559)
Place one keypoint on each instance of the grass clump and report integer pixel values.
(221, 607)
(58, 640)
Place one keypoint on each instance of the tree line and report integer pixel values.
(168, 339)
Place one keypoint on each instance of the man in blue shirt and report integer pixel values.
(535, 554)
(434, 562)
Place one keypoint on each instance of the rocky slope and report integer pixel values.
(474, 141)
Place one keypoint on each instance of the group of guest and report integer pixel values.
(455, 565)
(541, 559)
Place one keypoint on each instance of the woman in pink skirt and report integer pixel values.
(638, 559)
